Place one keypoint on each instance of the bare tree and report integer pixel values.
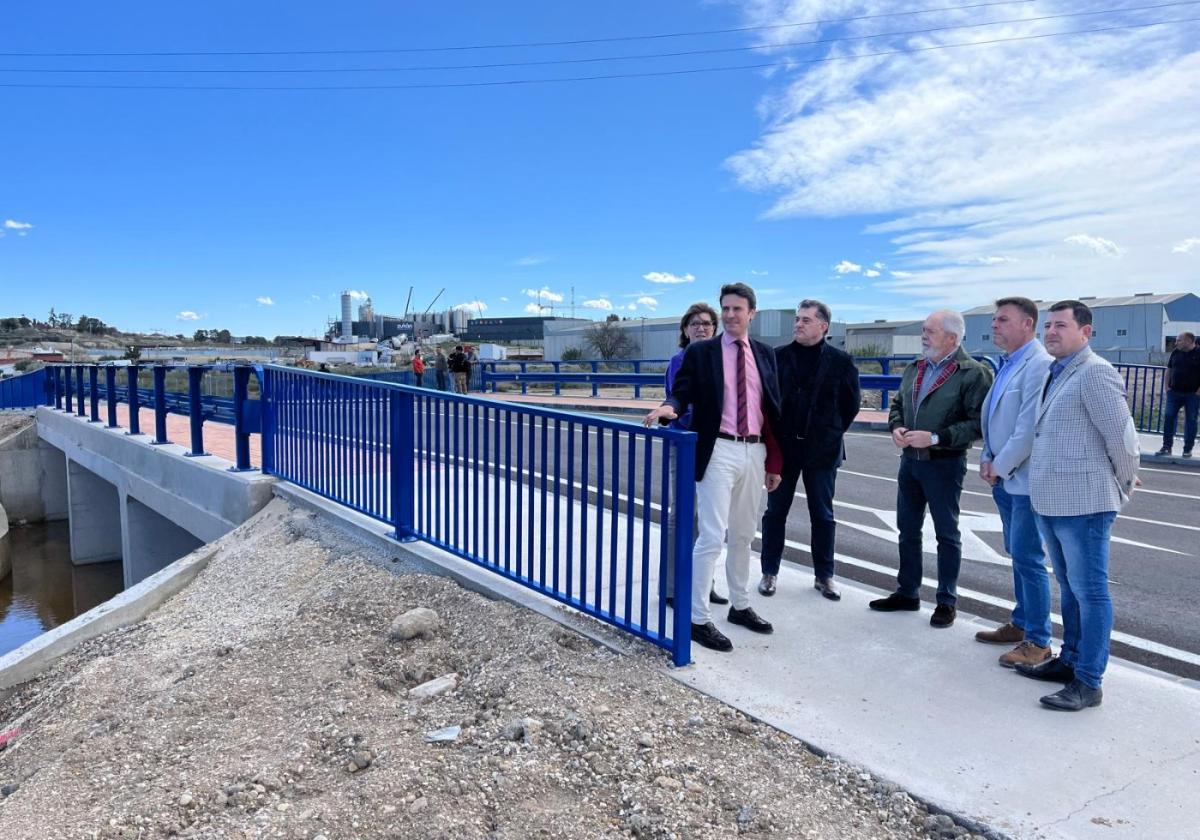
(608, 341)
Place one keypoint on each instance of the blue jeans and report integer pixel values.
(937, 485)
(1031, 584)
(1078, 549)
(1190, 403)
(818, 489)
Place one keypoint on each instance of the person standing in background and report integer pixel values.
(1183, 391)
(418, 367)
(440, 367)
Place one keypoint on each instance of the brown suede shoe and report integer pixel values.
(1005, 634)
(1026, 653)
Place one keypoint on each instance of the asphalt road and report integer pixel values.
(1154, 573)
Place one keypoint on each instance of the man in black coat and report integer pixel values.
(821, 397)
(731, 386)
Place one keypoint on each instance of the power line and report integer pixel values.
(607, 76)
(598, 59)
(526, 44)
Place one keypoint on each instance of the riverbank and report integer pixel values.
(269, 699)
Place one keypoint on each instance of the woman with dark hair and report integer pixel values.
(698, 323)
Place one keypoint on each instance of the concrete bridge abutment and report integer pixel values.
(151, 541)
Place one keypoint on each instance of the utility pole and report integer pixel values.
(572, 302)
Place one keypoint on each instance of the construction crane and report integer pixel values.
(432, 302)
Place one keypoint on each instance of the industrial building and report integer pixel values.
(521, 330)
(377, 326)
(884, 338)
(1134, 329)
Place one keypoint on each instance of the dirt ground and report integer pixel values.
(275, 697)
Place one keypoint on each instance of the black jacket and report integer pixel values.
(815, 441)
(700, 383)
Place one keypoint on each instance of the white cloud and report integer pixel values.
(880, 265)
(754, 273)
(21, 228)
(504, 300)
(357, 295)
(870, 272)
(1185, 246)
(265, 300)
(648, 301)
(1002, 149)
(473, 306)
(599, 303)
(989, 260)
(533, 309)
(543, 294)
(901, 273)
(1098, 244)
(847, 267)
(525, 262)
(187, 315)
(631, 307)
(667, 278)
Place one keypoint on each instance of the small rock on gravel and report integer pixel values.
(421, 621)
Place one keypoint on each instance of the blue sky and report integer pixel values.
(886, 185)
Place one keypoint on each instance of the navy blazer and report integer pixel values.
(816, 440)
(700, 384)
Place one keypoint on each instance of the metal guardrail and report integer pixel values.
(642, 372)
(80, 389)
(1145, 390)
(25, 391)
(560, 503)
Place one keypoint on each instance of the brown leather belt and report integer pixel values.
(741, 438)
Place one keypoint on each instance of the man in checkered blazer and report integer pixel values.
(1082, 470)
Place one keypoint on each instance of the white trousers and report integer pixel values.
(728, 500)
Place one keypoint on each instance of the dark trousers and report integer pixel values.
(420, 377)
(1189, 402)
(441, 380)
(818, 488)
(935, 485)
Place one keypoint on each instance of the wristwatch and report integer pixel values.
(933, 439)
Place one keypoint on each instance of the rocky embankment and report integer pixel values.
(306, 686)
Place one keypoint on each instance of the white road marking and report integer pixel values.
(1119, 515)
(1117, 636)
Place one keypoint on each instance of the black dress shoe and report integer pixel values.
(714, 598)
(827, 589)
(1052, 670)
(751, 620)
(896, 602)
(766, 586)
(943, 616)
(707, 635)
(1075, 697)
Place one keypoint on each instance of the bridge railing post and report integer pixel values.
(56, 378)
(80, 408)
(685, 505)
(195, 411)
(268, 385)
(94, 393)
(241, 435)
(160, 405)
(110, 395)
(402, 464)
(135, 402)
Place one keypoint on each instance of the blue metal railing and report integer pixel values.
(80, 389)
(635, 372)
(566, 505)
(29, 390)
(1145, 390)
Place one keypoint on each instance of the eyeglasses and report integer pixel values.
(708, 325)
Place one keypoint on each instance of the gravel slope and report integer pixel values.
(270, 699)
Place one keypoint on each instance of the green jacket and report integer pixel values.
(952, 411)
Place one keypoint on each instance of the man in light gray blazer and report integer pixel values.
(1082, 470)
(1008, 416)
